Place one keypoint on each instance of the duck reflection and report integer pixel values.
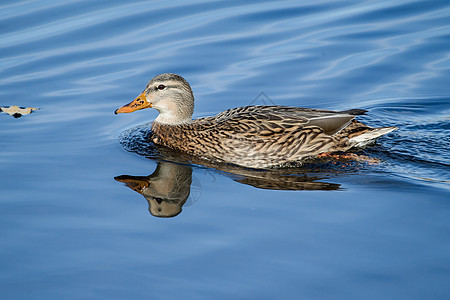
(166, 190)
(170, 185)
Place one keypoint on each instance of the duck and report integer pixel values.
(256, 136)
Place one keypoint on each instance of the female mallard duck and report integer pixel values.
(259, 136)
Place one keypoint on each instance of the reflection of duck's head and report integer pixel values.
(166, 190)
(168, 93)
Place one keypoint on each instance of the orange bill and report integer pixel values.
(139, 103)
(136, 183)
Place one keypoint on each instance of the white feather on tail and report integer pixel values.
(370, 136)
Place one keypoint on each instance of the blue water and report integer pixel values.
(338, 230)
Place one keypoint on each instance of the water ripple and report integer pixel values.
(380, 55)
(78, 60)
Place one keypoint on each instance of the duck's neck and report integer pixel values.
(169, 119)
(175, 111)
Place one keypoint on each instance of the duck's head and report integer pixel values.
(168, 93)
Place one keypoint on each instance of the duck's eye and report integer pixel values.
(161, 87)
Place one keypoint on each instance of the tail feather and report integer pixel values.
(370, 136)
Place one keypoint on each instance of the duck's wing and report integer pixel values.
(267, 121)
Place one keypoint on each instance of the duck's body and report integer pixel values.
(263, 136)
(251, 136)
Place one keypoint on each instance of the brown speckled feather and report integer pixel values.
(257, 136)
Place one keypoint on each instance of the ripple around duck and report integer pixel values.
(419, 149)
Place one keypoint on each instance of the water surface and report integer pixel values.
(331, 231)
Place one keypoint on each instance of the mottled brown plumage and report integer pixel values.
(251, 136)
